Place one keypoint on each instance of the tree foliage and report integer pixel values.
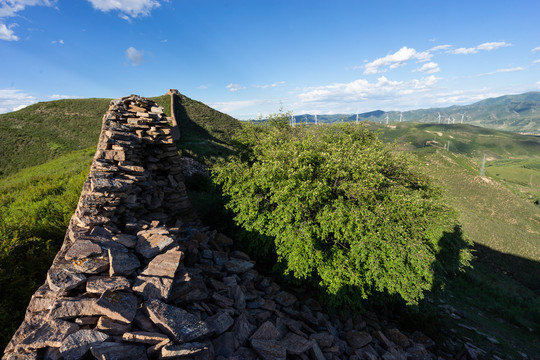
(340, 208)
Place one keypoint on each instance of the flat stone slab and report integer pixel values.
(100, 284)
(357, 339)
(119, 351)
(62, 279)
(118, 305)
(156, 281)
(74, 307)
(122, 262)
(177, 323)
(285, 299)
(91, 265)
(295, 344)
(269, 349)
(82, 249)
(127, 240)
(77, 344)
(238, 266)
(221, 322)
(267, 331)
(112, 327)
(152, 242)
(51, 334)
(171, 351)
(145, 337)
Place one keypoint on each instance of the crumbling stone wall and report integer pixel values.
(138, 278)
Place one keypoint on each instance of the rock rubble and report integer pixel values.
(138, 278)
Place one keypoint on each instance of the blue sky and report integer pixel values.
(247, 58)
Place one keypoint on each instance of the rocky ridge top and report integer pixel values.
(138, 278)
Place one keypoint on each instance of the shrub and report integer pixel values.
(339, 208)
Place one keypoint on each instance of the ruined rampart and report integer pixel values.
(138, 278)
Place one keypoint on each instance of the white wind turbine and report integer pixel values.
(315, 119)
(386, 118)
(462, 116)
(439, 117)
(400, 116)
(357, 118)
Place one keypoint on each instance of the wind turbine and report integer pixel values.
(357, 118)
(386, 118)
(293, 120)
(315, 119)
(462, 116)
(400, 116)
(439, 117)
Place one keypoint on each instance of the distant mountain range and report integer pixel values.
(515, 113)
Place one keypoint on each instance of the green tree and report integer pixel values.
(339, 208)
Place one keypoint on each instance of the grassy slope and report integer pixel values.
(44, 131)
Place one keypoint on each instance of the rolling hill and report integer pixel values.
(514, 113)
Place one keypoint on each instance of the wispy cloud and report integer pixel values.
(395, 60)
(61, 97)
(203, 86)
(488, 46)
(233, 106)
(235, 87)
(7, 34)
(12, 100)
(439, 48)
(362, 89)
(273, 85)
(61, 42)
(535, 49)
(514, 69)
(429, 68)
(135, 56)
(128, 9)
(10, 8)
(536, 61)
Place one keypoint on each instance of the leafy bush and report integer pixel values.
(339, 208)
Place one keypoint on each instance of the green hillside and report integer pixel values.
(47, 130)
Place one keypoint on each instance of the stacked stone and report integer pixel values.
(136, 280)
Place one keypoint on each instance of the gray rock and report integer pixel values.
(295, 344)
(74, 307)
(62, 279)
(267, 331)
(127, 240)
(90, 265)
(224, 345)
(100, 284)
(152, 242)
(122, 263)
(242, 329)
(219, 323)
(118, 305)
(156, 281)
(316, 352)
(119, 351)
(269, 349)
(357, 339)
(50, 334)
(324, 339)
(77, 344)
(285, 299)
(189, 292)
(173, 351)
(82, 249)
(111, 327)
(237, 266)
(102, 234)
(175, 322)
(145, 337)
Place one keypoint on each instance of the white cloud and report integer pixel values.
(235, 87)
(61, 97)
(7, 34)
(492, 45)
(10, 8)
(440, 47)
(488, 46)
(127, 8)
(395, 60)
(362, 89)
(536, 61)
(12, 99)
(134, 55)
(429, 68)
(203, 86)
(270, 85)
(61, 42)
(232, 106)
(536, 49)
(514, 69)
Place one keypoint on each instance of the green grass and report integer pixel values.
(47, 130)
(36, 205)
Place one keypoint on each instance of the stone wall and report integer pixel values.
(137, 277)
